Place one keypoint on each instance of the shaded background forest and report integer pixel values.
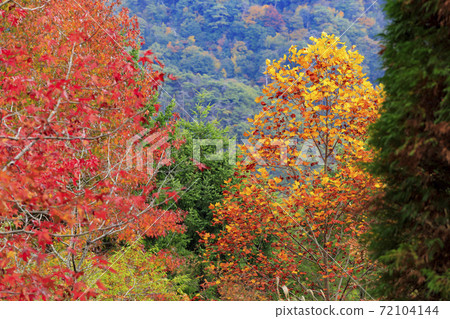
(219, 47)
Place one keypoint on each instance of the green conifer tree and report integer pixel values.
(411, 230)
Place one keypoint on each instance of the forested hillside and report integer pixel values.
(221, 46)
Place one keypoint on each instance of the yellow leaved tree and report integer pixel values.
(294, 217)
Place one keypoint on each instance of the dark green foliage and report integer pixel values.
(411, 230)
(197, 187)
(207, 182)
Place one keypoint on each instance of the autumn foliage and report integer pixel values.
(267, 14)
(142, 275)
(93, 169)
(293, 219)
(71, 98)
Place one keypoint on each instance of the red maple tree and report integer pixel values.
(71, 98)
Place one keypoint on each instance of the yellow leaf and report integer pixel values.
(277, 180)
(259, 99)
(263, 172)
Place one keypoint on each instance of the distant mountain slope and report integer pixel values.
(221, 45)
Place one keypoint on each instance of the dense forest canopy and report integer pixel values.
(221, 46)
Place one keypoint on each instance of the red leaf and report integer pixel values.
(101, 214)
(200, 166)
(144, 59)
(173, 195)
(76, 36)
(159, 62)
(101, 286)
(43, 237)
